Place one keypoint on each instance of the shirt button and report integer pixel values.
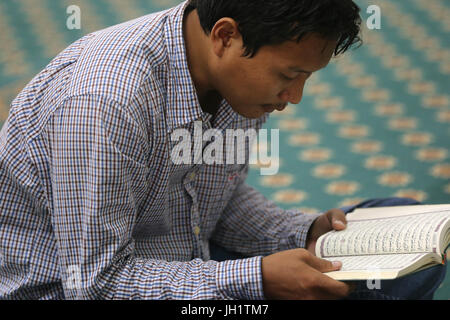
(197, 231)
(192, 176)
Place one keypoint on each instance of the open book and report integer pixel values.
(388, 242)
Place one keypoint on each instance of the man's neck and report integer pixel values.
(210, 102)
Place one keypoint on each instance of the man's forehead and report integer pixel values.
(310, 54)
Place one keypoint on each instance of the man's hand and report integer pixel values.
(298, 274)
(333, 219)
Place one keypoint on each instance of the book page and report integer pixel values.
(378, 266)
(386, 212)
(378, 262)
(412, 233)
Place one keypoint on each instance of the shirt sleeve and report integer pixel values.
(98, 156)
(253, 225)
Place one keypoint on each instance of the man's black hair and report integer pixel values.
(272, 22)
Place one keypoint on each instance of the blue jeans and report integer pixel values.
(418, 286)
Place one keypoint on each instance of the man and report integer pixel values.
(93, 205)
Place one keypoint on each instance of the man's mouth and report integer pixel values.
(273, 107)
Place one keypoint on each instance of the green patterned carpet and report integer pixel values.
(373, 124)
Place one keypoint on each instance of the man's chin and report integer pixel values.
(252, 113)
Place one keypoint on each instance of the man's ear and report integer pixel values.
(224, 35)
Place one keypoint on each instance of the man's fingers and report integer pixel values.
(337, 219)
(333, 288)
(323, 265)
(327, 286)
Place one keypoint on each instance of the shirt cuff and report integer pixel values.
(298, 230)
(240, 279)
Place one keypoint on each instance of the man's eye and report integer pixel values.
(287, 78)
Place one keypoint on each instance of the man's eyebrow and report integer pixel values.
(295, 69)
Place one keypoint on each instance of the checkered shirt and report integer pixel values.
(93, 207)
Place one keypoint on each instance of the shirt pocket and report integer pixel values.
(234, 176)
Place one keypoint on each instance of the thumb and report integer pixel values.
(337, 219)
(323, 265)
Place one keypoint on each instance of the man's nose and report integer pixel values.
(294, 93)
